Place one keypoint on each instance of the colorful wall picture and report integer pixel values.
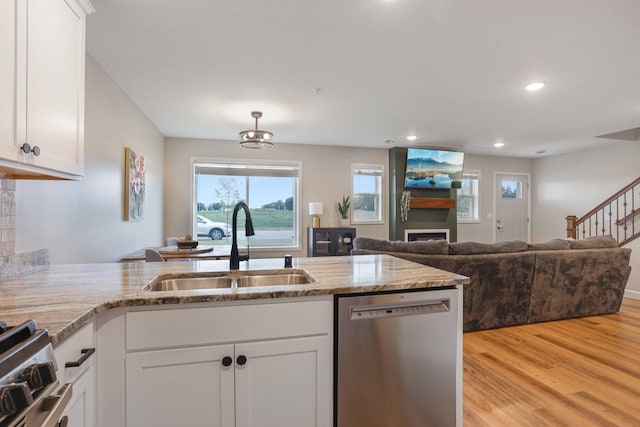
(134, 185)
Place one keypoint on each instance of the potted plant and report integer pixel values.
(343, 207)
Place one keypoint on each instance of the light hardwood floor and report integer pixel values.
(578, 372)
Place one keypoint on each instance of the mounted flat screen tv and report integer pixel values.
(427, 168)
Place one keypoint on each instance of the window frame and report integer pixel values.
(297, 245)
(478, 174)
(354, 168)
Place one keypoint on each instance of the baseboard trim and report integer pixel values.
(628, 293)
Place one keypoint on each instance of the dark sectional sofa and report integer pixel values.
(515, 283)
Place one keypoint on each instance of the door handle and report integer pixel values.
(86, 353)
(499, 226)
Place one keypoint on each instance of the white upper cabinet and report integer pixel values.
(42, 56)
(7, 76)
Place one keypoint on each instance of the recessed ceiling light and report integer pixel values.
(498, 144)
(534, 86)
(412, 137)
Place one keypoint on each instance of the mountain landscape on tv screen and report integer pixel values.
(426, 172)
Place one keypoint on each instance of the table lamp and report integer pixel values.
(316, 209)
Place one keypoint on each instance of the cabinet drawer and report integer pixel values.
(70, 350)
(226, 324)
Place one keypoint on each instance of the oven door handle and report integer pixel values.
(55, 404)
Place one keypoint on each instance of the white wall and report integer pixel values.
(487, 165)
(326, 177)
(82, 222)
(573, 184)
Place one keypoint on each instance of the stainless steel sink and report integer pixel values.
(190, 283)
(273, 280)
(230, 280)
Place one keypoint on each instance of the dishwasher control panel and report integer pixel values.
(401, 309)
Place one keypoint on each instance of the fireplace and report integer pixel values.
(426, 234)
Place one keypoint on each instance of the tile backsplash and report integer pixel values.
(12, 263)
(7, 217)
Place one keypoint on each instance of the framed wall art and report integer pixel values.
(135, 185)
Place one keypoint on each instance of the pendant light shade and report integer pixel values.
(256, 138)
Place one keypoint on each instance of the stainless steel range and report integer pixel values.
(28, 379)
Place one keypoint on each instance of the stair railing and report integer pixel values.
(618, 217)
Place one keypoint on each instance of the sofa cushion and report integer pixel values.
(432, 247)
(550, 245)
(475, 248)
(578, 283)
(594, 243)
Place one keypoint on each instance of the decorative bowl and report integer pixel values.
(189, 244)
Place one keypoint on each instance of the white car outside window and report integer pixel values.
(215, 230)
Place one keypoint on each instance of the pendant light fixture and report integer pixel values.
(256, 138)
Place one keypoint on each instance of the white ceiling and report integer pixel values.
(360, 72)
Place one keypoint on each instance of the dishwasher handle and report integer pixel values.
(414, 308)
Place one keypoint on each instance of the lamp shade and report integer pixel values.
(316, 208)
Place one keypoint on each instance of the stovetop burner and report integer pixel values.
(27, 372)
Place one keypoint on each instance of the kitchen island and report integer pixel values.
(62, 298)
(220, 349)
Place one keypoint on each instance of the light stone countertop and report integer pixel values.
(61, 298)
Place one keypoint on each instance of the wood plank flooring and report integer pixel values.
(578, 372)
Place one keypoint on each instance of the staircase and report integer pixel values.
(618, 217)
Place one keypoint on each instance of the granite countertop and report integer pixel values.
(61, 298)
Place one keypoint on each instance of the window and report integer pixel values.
(511, 190)
(468, 199)
(366, 197)
(270, 189)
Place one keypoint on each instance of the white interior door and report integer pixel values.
(511, 207)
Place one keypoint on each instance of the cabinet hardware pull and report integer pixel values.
(241, 360)
(227, 361)
(26, 149)
(86, 353)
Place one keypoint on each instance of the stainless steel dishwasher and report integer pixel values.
(399, 359)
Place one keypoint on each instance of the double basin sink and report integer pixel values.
(229, 280)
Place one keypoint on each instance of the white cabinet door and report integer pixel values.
(55, 85)
(7, 77)
(81, 407)
(284, 383)
(180, 387)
